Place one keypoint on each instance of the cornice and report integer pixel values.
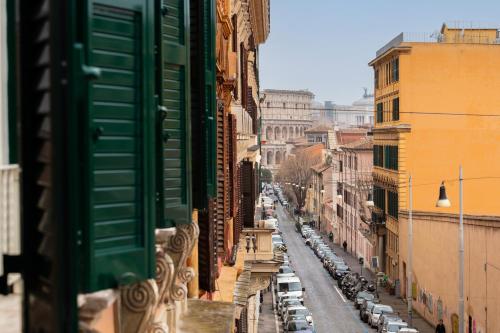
(401, 128)
(469, 219)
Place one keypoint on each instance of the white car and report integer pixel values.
(298, 310)
(393, 326)
(375, 313)
(407, 330)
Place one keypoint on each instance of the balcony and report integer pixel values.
(258, 243)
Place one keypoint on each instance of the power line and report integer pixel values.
(400, 112)
(454, 180)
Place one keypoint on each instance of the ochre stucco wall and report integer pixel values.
(435, 268)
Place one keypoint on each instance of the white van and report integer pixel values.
(289, 286)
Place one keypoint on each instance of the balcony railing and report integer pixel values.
(258, 243)
(10, 228)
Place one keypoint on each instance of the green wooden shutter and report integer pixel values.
(175, 96)
(119, 237)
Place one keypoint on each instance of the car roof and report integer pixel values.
(289, 279)
(296, 307)
(383, 306)
(397, 322)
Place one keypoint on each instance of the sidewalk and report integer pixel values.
(396, 303)
(267, 322)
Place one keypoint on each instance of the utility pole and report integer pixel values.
(409, 288)
(461, 256)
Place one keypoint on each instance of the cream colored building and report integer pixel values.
(286, 114)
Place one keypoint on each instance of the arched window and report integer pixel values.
(269, 133)
(270, 157)
(284, 133)
(302, 131)
(278, 157)
(297, 132)
(290, 135)
(277, 133)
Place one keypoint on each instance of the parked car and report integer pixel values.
(361, 296)
(285, 269)
(407, 330)
(339, 270)
(394, 326)
(298, 310)
(376, 311)
(286, 303)
(298, 326)
(365, 310)
(290, 286)
(384, 319)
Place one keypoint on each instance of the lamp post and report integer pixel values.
(444, 202)
(409, 289)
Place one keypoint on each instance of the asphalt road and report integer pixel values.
(331, 312)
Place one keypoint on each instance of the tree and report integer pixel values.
(266, 175)
(297, 170)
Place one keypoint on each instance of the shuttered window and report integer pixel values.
(392, 204)
(391, 157)
(120, 135)
(203, 136)
(380, 113)
(379, 197)
(395, 109)
(174, 95)
(247, 188)
(378, 156)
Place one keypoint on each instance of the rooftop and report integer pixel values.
(319, 129)
(304, 92)
(475, 34)
(360, 144)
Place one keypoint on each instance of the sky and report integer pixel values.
(324, 46)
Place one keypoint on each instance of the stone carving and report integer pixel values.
(150, 306)
(179, 248)
(258, 282)
(138, 302)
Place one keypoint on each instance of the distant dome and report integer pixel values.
(366, 100)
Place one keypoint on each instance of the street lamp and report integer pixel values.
(444, 202)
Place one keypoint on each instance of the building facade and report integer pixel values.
(129, 150)
(354, 182)
(430, 119)
(286, 114)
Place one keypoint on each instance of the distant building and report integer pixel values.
(358, 114)
(286, 114)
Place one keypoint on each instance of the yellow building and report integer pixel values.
(437, 105)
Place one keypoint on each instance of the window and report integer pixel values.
(377, 74)
(378, 156)
(379, 197)
(380, 112)
(284, 105)
(234, 21)
(340, 212)
(395, 70)
(392, 204)
(355, 163)
(391, 157)
(395, 109)
(340, 166)
(268, 104)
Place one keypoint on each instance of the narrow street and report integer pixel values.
(331, 312)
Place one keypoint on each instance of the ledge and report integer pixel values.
(207, 317)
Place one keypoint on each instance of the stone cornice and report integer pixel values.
(401, 128)
(476, 220)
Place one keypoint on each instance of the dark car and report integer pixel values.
(298, 326)
(361, 296)
(286, 269)
(339, 270)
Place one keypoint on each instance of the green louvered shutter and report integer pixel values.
(119, 237)
(175, 98)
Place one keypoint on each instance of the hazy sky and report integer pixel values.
(325, 45)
